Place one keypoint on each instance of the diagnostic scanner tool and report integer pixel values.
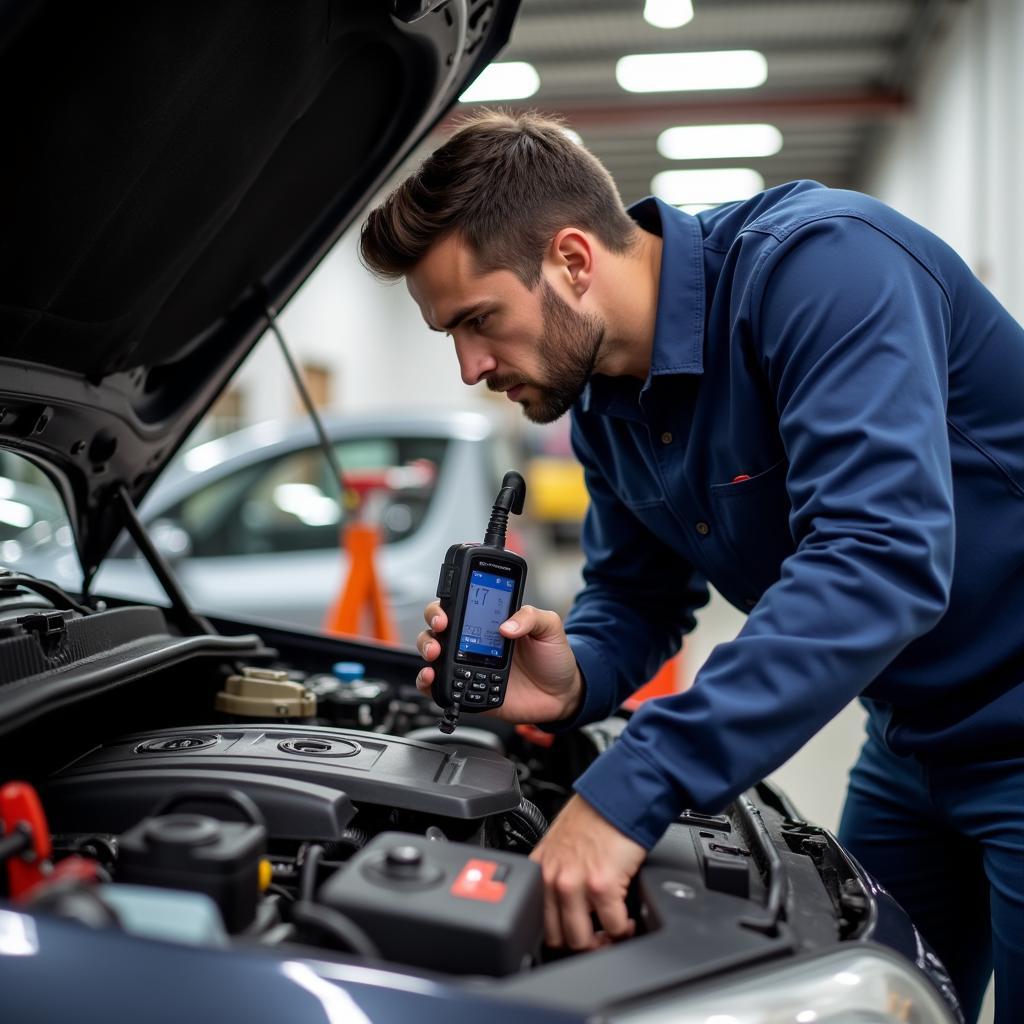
(480, 586)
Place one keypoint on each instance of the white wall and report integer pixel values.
(954, 161)
(370, 335)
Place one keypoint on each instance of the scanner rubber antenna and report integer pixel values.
(510, 499)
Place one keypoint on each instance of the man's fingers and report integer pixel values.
(434, 617)
(424, 678)
(574, 910)
(428, 645)
(534, 622)
(552, 920)
(567, 916)
(610, 908)
(586, 863)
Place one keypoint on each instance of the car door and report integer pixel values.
(260, 540)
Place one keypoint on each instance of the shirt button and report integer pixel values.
(703, 529)
(666, 438)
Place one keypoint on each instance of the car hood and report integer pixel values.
(171, 172)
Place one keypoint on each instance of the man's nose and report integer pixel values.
(474, 359)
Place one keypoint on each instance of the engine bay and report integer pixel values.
(286, 800)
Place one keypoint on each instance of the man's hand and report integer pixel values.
(544, 684)
(587, 866)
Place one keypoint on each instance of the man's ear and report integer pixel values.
(572, 254)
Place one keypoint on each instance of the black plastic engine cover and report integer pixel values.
(444, 906)
(305, 780)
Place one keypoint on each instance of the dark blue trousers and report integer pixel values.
(948, 842)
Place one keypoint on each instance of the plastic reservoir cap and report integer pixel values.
(348, 671)
(259, 693)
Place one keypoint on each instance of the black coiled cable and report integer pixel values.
(525, 825)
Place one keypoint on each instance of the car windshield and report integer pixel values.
(254, 528)
(32, 516)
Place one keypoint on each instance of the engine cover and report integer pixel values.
(307, 781)
(482, 910)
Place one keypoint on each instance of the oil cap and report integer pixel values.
(403, 861)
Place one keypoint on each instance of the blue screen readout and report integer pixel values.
(487, 606)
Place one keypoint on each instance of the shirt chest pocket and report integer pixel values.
(753, 516)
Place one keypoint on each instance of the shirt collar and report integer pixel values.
(679, 325)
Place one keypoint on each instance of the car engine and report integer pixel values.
(427, 835)
(278, 799)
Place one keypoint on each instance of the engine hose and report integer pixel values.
(344, 932)
(349, 840)
(535, 816)
(307, 883)
(526, 822)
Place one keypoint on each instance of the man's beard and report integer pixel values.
(567, 350)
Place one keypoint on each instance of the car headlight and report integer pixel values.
(866, 985)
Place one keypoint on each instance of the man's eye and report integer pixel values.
(479, 321)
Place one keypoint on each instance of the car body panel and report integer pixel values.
(120, 977)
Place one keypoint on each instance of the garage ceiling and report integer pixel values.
(838, 70)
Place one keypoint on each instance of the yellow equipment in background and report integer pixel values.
(558, 495)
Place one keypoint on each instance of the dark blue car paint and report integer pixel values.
(53, 970)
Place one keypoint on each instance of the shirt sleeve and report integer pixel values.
(638, 599)
(851, 331)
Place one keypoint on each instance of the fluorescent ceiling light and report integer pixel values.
(721, 185)
(719, 141)
(508, 80)
(668, 13)
(696, 208)
(676, 72)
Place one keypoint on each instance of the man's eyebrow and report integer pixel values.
(463, 314)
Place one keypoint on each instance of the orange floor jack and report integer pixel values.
(666, 681)
(361, 609)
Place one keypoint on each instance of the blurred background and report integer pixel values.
(918, 102)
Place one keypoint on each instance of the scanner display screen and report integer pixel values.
(487, 606)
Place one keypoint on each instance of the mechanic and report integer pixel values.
(808, 401)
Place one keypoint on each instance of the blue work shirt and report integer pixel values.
(832, 434)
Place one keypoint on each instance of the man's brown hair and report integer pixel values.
(507, 183)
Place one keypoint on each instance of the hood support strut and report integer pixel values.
(186, 619)
(349, 500)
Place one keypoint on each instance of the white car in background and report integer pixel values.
(250, 522)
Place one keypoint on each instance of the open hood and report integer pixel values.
(169, 172)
